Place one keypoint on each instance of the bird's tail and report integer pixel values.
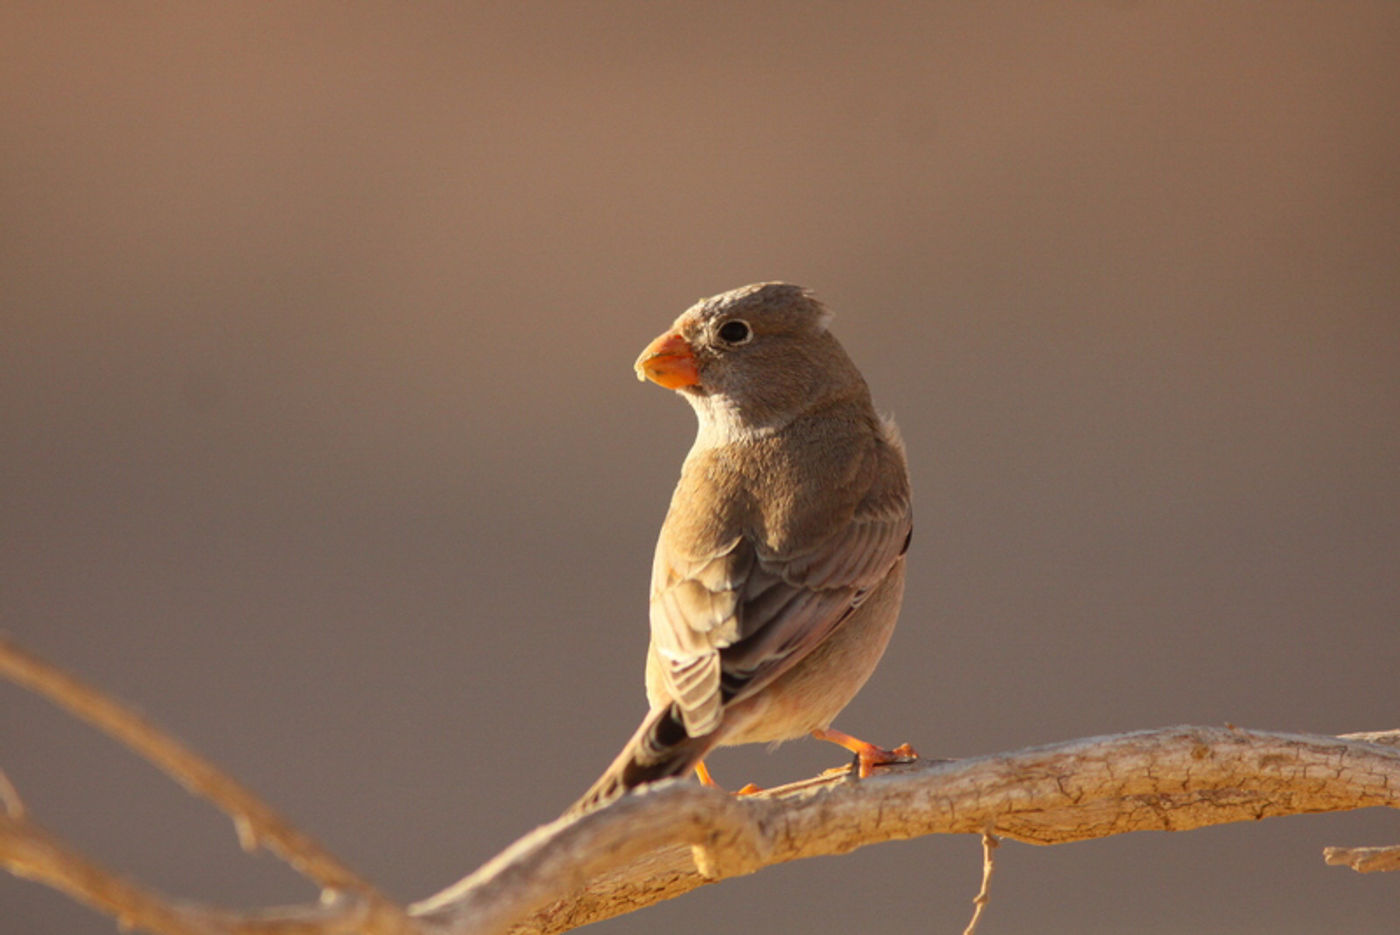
(658, 750)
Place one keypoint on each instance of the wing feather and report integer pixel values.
(726, 624)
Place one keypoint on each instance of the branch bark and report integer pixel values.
(28, 850)
(617, 860)
(670, 838)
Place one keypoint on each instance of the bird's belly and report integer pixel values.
(809, 695)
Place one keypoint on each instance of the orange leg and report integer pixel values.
(703, 772)
(868, 756)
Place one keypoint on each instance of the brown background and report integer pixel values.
(321, 442)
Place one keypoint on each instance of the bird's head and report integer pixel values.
(757, 356)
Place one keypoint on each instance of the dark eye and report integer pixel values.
(735, 331)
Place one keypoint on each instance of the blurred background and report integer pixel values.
(322, 444)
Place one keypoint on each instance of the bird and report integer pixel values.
(779, 569)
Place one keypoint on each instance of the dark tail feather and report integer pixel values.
(658, 750)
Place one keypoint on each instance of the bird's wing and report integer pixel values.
(727, 623)
(791, 604)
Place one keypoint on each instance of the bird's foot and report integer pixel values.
(867, 755)
(703, 773)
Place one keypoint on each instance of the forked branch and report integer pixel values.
(665, 840)
(1172, 779)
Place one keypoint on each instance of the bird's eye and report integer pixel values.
(735, 331)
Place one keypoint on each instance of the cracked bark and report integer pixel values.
(1172, 779)
(670, 838)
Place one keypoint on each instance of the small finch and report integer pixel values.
(779, 570)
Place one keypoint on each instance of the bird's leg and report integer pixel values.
(703, 773)
(868, 756)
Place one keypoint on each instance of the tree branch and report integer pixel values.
(616, 860)
(1363, 859)
(667, 839)
(21, 841)
(990, 843)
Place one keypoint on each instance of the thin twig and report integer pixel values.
(990, 843)
(9, 797)
(255, 821)
(1389, 738)
(30, 851)
(34, 853)
(1364, 859)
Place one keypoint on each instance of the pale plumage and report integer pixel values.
(779, 569)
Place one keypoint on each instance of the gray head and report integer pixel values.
(755, 357)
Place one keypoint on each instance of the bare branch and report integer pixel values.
(1363, 859)
(669, 838)
(1390, 738)
(9, 797)
(638, 851)
(30, 851)
(255, 821)
(990, 843)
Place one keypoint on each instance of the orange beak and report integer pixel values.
(668, 361)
